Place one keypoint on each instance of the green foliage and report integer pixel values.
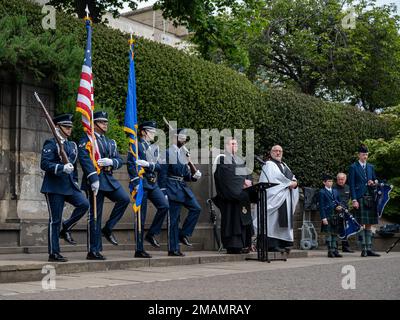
(96, 8)
(317, 136)
(385, 154)
(303, 45)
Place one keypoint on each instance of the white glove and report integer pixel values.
(105, 162)
(143, 163)
(197, 175)
(95, 187)
(68, 168)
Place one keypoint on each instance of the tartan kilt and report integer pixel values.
(334, 225)
(366, 213)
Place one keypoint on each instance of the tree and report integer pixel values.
(386, 157)
(302, 44)
(96, 8)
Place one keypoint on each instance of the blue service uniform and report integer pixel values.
(151, 191)
(174, 174)
(109, 187)
(60, 187)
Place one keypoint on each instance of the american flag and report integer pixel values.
(85, 101)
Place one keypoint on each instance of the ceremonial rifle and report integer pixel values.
(59, 139)
(213, 220)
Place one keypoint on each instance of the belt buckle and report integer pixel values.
(152, 179)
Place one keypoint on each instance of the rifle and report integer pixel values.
(192, 167)
(213, 220)
(60, 140)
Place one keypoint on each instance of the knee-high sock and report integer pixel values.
(363, 240)
(328, 241)
(333, 242)
(368, 239)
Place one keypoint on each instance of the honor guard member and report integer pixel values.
(148, 157)
(343, 191)
(175, 172)
(329, 207)
(102, 185)
(362, 181)
(60, 185)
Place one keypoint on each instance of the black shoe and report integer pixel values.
(347, 249)
(276, 249)
(330, 254)
(152, 240)
(370, 253)
(337, 254)
(109, 236)
(176, 254)
(56, 257)
(287, 249)
(364, 253)
(66, 235)
(142, 254)
(185, 241)
(95, 256)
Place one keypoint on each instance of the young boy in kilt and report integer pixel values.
(329, 208)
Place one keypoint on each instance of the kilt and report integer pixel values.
(366, 213)
(334, 226)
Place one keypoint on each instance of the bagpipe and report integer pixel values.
(346, 223)
(382, 195)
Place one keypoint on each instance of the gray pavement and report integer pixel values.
(315, 277)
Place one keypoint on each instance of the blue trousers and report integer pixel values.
(121, 199)
(174, 233)
(156, 196)
(55, 204)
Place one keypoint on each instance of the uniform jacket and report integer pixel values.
(358, 179)
(328, 202)
(174, 165)
(150, 172)
(55, 179)
(108, 149)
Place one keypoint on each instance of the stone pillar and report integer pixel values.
(23, 130)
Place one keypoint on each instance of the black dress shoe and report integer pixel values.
(66, 235)
(109, 236)
(152, 240)
(370, 253)
(176, 254)
(56, 257)
(276, 249)
(95, 256)
(142, 254)
(185, 241)
(331, 254)
(337, 254)
(347, 249)
(364, 253)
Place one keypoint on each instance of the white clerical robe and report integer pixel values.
(275, 198)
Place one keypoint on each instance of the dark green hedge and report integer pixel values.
(316, 136)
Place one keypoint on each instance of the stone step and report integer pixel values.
(28, 267)
(82, 248)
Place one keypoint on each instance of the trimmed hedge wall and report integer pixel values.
(316, 136)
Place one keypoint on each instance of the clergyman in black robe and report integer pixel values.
(233, 202)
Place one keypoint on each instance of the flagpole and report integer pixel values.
(93, 151)
(139, 216)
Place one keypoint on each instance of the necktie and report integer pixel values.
(364, 166)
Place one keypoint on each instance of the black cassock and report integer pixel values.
(234, 204)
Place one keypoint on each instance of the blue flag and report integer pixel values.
(131, 127)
